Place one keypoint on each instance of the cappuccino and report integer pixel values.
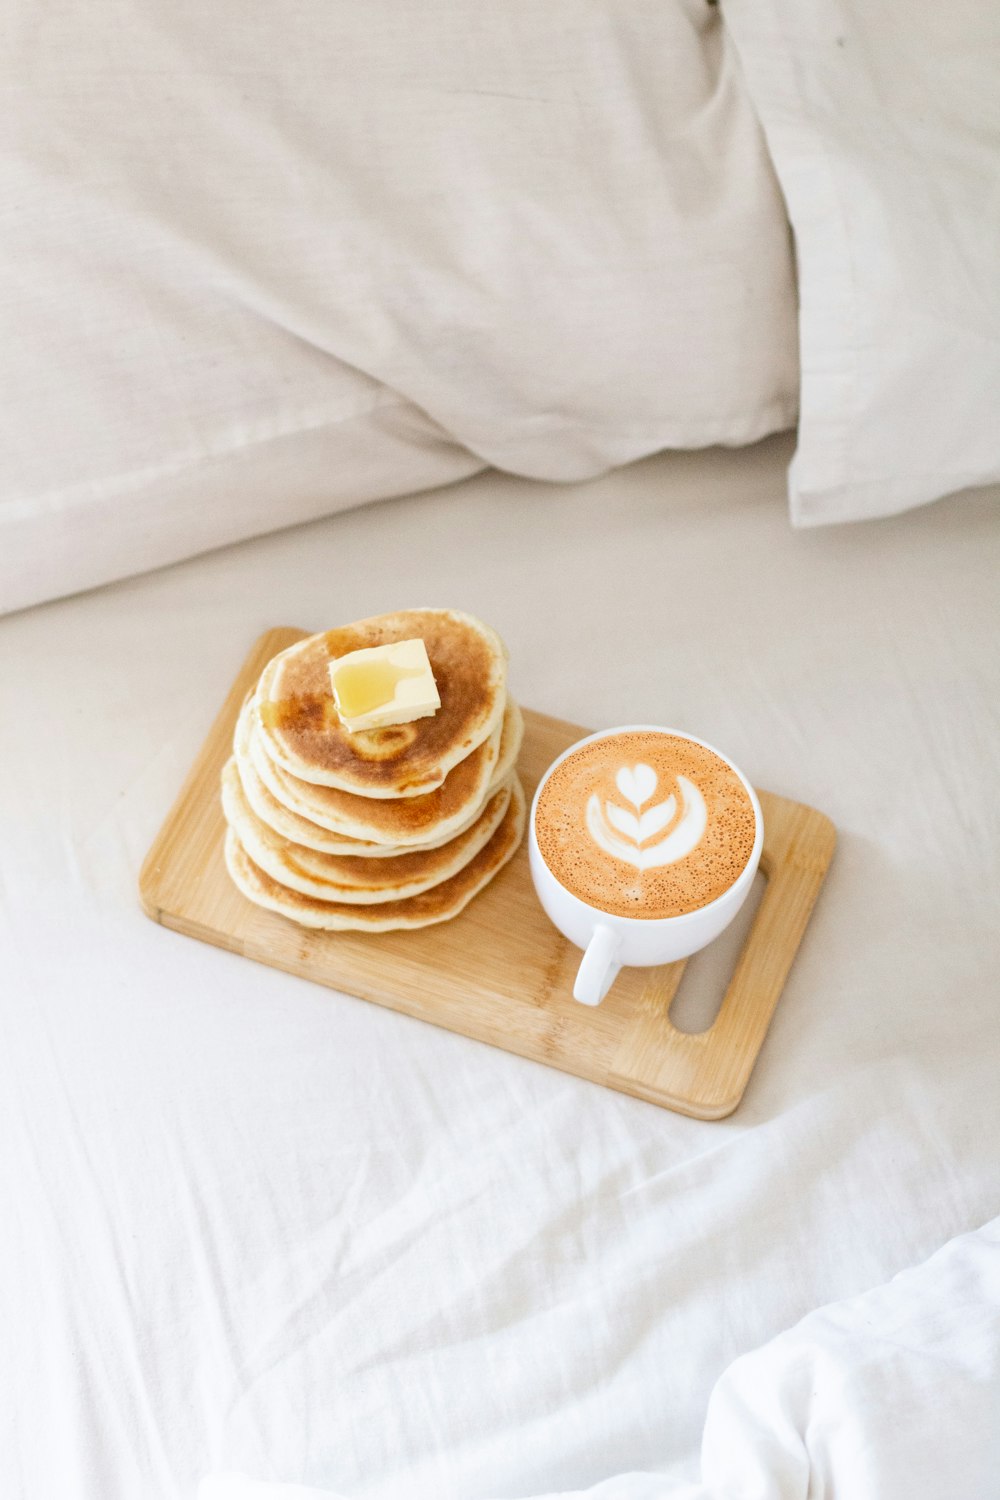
(645, 824)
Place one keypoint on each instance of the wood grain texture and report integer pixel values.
(500, 972)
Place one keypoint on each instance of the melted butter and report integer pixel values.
(364, 686)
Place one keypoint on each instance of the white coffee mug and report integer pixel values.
(612, 942)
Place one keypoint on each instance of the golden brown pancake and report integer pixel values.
(350, 878)
(438, 904)
(297, 718)
(339, 822)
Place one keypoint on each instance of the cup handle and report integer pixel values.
(599, 967)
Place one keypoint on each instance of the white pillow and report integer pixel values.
(263, 262)
(883, 120)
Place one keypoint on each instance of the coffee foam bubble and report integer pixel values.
(645, 824)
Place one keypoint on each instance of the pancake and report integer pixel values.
(438, 904)
(338, 822)
(300, 728)
(353, 879)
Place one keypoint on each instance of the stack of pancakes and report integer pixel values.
(384, 828)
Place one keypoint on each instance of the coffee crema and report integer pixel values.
(645, 824)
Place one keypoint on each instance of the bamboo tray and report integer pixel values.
(500, 972)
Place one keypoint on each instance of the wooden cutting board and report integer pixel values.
(500, 972)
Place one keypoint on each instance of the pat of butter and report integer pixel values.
(383, 685)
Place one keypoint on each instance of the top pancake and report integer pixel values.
(297, 718)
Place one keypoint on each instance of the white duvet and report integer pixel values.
(893, 1395)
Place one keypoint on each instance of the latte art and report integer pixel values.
(645, 824)
(659, 836)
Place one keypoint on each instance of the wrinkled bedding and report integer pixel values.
(259, 1227)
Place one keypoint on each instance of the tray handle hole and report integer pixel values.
(706, 976)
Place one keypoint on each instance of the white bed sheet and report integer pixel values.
(256, 1226)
